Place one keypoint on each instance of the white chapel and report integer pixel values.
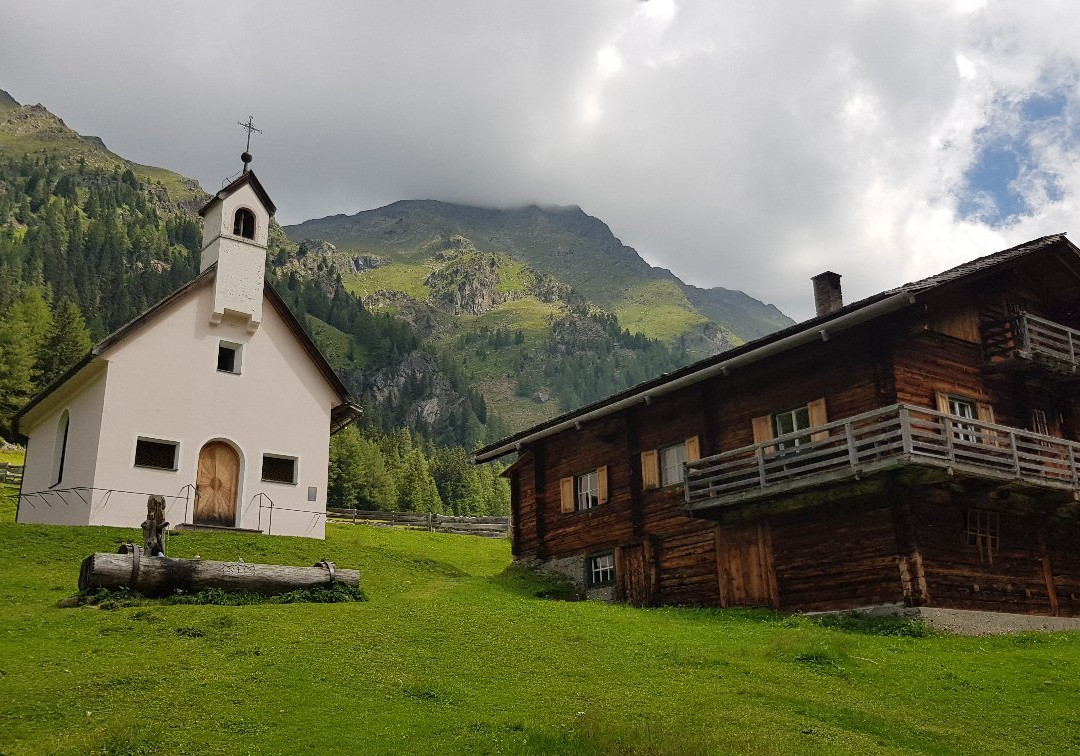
(214, 398)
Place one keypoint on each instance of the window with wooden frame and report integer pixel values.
(809, 416)
(155, 453)
(664, 466)
(584, 492)
(600, 569)
(983, 531)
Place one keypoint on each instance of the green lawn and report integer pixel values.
(452, 654)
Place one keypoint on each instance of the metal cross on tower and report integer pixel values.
(250, 126)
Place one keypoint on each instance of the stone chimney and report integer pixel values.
(827, 295)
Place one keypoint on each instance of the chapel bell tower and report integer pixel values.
(236, 222)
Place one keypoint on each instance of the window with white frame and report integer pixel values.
(968, 410)
(791, 421)
(586, 491)
(601, 569)
(228, 359)
(671, 463)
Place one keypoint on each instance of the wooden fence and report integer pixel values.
(10, 473)
(887, 437)
(491, 527)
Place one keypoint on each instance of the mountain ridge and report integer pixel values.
(562, 241)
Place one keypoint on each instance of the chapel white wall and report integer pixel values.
(69, 501)
(164, 384)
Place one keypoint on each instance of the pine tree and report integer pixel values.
(68, 341)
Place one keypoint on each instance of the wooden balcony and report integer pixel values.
(1028, 341)
(860, 447)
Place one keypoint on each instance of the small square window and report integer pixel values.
(601, 569)
(671, 464)
(586, 491)
(228, 357)
(160, 455)
(278, 469)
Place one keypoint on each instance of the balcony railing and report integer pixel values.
(887, 438)
(1027, 336)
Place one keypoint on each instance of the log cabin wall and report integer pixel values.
(836, 558)
(572, 453)
(903, 545)
(1007, 575)
(852, 371)
(524, 543)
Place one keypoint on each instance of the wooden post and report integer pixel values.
(853, 456)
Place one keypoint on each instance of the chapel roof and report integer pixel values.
(247, 178)
(341, 415)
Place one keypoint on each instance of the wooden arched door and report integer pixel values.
(218, 483)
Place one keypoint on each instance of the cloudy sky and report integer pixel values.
(741, 144)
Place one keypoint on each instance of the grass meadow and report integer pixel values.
(455, 653)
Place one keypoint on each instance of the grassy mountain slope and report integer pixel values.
(563, 242)
(455, 653)
(32, 129)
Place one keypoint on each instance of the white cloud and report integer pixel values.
(749, 145)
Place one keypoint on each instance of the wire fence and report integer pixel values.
(180, 508)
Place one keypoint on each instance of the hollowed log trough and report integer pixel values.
(162, 576)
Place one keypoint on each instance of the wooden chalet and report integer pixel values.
(915, 448)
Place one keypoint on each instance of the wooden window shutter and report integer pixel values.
(650, 470)
(942, 402)
(817, 415)
(566, 492)
(601, 484)
(985, 412)
(763, 431)
(693, 449)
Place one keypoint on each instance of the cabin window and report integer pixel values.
(61, 446)
(1039, 422)
(277, 469)
(671, 464)
(156, 454)
(601, 569)
(586, 491)
(982, 532)
(228, 357)
(664, 466)
(966, 409)
(244, 223)
(791, 421)
(812, 415)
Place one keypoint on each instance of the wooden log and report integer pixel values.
(162, 576)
